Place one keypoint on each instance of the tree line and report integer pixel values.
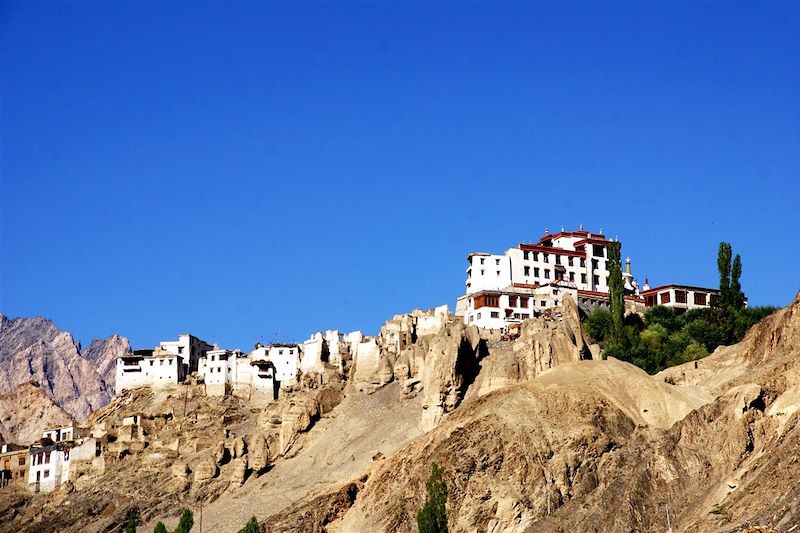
(666, 336)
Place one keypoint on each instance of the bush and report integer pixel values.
(598, 325)
(160, 528)
(186, 522)
(251, 526)
(132, 518)
(432, 517)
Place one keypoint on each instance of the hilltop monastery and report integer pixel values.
(501, 289)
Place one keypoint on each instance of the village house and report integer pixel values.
(679, 296)
(529, 278)
(13, 465)
(49, 459)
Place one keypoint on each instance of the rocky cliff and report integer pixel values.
(533, 434)
(34, 351)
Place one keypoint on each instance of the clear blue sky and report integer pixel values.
(249, 171)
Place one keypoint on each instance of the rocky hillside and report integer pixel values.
(26, 412)
(34, 351)
(536, 433)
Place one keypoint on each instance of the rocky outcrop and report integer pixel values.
(238, 470)
(34, 350)
(205, 470)
(297, 417)
(372, 367)
(542, 344)
(451, 365)
(258, 453)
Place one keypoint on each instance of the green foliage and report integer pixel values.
(432, 517)
(160, 528)
(598, 325)
(615, 292)
(186, 522)
(669, 337)
(724, 267)
(251, 526)
(132, 519)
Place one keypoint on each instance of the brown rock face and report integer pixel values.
(205, 470)
(543, 344)
(34, 350)
(298, 416)
(238, 472)
(258, 454)
(451, 364)
(27, 411)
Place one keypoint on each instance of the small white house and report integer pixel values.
(59, 434)
(48, 467)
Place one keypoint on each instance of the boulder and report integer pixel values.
(238, 472)
(205, 470)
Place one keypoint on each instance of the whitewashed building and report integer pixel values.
(48, 467)
(166, 365)
(529, 278)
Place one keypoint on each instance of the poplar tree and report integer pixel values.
(251, 526)
(615, 292)
(737, 296)
(432, 517)
(724, 266)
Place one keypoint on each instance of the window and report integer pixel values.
(546, 274)
(280, 352)
(572, 276)
(569, 260)
(483, 260)
(583, 262)
(482, 272)
(536, 272)
(512, 301)
(527, 271)
(180, 349)
(595, 264)
(680, 297)
(498, 273)
(558, 259)
(495, 314)
(535, 256)
(496, 261)
(543, 303)
(151, 362)
(545, 257)
(664, 297)
(596, 280)
(523, 302)
(597, 250)
(46, 457)
(525, 255)
(479, 316)
(700, 298)
(22, 461)
(46, 473)
(555, 291)
(583, 278)
(492, 300)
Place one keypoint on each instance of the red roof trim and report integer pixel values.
(549, 250)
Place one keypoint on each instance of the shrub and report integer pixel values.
(186, 522)
(432, 517)
(251, 526)
(160, 528)
(598, 325)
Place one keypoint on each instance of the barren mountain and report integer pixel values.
(533, 434)
(26, 411)
(35, 351)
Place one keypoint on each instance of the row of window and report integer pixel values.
(528, 255)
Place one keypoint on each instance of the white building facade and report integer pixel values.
(680, 296)
(166, 365)
(529, 278)
(48, 467)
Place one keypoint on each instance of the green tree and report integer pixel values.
(186, 522)
(432, 517)
(615, 292)
(737, 296)
(132, 519)
(160, 528)
(724, 267)
(598, 325)
(251, 526)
